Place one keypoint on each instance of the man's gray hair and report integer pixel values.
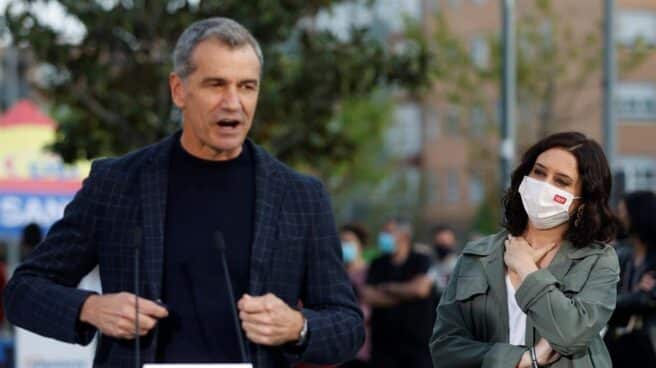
(226, 30)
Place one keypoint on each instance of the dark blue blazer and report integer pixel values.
(295, 255)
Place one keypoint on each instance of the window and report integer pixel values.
(477, 120)
(480, 52)
(433, 189)
(411, 177)
(636, 101)
(639, 173)
(452, 186)
(476, 189)
(454, 3)
(403, 139)
(633, 25)
(452, 121)
(478, 2)
(432, 123)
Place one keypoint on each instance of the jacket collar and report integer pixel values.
(491, 251)
(489, 245)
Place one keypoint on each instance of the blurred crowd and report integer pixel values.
(399, 281)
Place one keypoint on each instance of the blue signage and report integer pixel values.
(20, 209)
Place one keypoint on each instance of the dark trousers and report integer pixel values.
(632, 350)
(391, 358)
(356, 363)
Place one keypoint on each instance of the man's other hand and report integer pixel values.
(114, 314)
(267, 320)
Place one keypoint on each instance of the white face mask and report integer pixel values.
(545, 205)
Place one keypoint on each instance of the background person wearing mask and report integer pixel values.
(354, 238)
(631, 338)
(540, 291)
(445, 255)
(400, 293)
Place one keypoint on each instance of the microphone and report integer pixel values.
(219, 244)
(137, 239)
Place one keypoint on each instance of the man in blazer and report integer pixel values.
(167, 201)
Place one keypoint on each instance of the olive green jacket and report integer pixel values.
(568, 303)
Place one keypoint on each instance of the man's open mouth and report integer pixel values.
(230, 123)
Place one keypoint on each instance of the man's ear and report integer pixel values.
(177, 87)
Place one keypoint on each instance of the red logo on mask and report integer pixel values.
(559, 199)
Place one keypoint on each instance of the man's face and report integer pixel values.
(445, 239)
(218, 99)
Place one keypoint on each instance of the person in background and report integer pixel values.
(354, 239)
(631, 338)
(30, 238)
(445, 249)
(401, 296)
(539, 292)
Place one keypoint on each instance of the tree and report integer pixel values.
(110, 93)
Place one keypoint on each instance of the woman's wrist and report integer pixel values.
(526, 269)
(525, 362)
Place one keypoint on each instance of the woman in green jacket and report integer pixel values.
(539, 293)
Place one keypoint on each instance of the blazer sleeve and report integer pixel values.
(570, 322)
(42, 295)
(335, 322)
(453, 344)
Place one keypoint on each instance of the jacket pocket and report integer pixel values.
(468, 287)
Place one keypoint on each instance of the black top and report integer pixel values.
(407, 327)
(203, 197)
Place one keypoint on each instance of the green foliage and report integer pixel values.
(488, 216)
(111, 95)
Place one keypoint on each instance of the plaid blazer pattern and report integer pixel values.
(295, 255)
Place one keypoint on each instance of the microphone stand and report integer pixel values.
(137, 338)
(219, 244)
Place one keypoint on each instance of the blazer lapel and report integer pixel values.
(269, 189)
(153, 181)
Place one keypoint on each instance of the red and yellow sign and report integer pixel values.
(35, 184)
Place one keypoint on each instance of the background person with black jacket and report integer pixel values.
(631, 338)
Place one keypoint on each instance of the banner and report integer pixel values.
(35, 185)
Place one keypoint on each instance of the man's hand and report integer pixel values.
(114, 314)
(647, 282)
(267, 320)
(417, 288)
(377, 297)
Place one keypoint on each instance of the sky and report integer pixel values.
(52, 14)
